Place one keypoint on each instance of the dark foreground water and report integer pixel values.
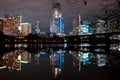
(51, 64)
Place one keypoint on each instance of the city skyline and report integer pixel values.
(60, 39)
(34, 10)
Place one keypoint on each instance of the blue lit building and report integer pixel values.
(57, 21)
(81, 27)
(84, 28)
(60, 25)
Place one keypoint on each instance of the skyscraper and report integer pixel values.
(57, 21)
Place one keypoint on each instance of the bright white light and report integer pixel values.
(56, 71)
(118, 49)
(85, 55)
(19, 57)
(56, 16)
(60, 15)
(19, 28)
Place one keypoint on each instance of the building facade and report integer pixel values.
(25, 29)
(10, 24)
(57, 21)
(2, 23)
(80, 27)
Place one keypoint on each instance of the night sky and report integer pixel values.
(33, 10)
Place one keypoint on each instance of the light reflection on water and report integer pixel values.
(56, 60)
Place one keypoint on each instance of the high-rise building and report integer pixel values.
(61, 25)
(11, 25)
(57, 21)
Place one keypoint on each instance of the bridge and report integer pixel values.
(112, 37)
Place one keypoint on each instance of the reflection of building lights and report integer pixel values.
(55, 71)
(101, 60)
(42, 52)
(60, 70)
(118, 49)
(3, 67)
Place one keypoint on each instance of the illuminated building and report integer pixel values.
(84, 28)
(11, 25)
(113, 22)
(60, 25)
(81, 27)
(37, 27)
(76, 24)
(100, 26)
(57, 21)
(53, 26)
(2, 23)
(25, 29)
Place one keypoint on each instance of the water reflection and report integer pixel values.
(56, 62)
(13, 60)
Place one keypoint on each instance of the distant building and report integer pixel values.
(37, 27)
(76, 23)
(84, 28)
(25, 29)
(53, 26)
(80, 27)
(113, 22)
(100, 26)
(2, 23)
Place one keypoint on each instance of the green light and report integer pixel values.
(22, 61)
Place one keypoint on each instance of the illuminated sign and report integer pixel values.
(22, 61)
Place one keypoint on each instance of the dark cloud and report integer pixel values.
(33, 10)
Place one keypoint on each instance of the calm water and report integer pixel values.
(35, 62)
